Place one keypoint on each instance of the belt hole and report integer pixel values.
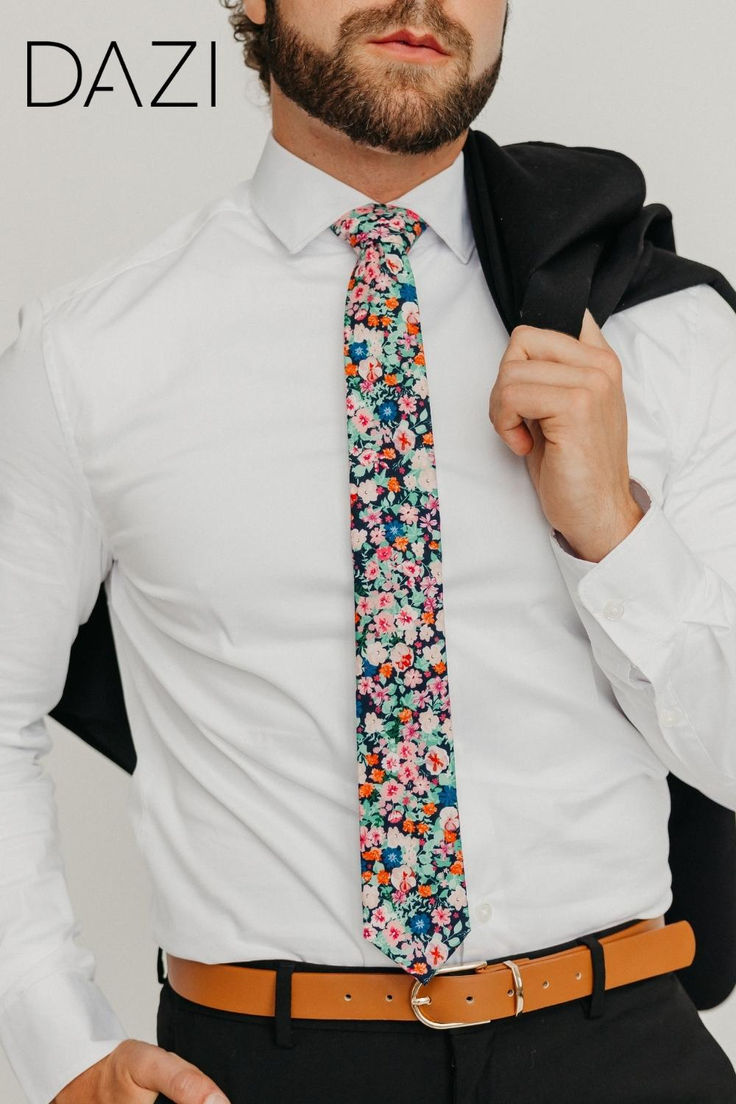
(578, 976)
(545, 985)
(470, 999)
(509, 992)
(389, 996)
(348, 996)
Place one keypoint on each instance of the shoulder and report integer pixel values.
(128, 276)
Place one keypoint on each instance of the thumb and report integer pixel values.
(591, 333)
(162, 1071)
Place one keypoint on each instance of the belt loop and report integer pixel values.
(160, 967)
(282, 1011)
(595, 1006)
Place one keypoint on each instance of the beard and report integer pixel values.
(401, 106)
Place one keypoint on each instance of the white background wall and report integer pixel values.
(654, 78)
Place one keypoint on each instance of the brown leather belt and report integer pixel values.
(459, 996)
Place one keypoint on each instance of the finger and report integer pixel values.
(591, 333)
(531, 343)
(162, 1071)
(550, 372)
(564, 405)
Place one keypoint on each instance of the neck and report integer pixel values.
(379, 173)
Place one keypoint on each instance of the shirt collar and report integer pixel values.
(297, 200)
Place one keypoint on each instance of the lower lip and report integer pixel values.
(413, 53)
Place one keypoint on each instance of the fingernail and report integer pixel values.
(216, 1098)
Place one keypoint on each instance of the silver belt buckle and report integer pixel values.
(415, 1000)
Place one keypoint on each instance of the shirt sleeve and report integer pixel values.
(54, 1021)
(660, 608)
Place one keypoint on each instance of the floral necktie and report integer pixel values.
(413, 878)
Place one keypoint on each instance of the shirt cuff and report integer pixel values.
(60, 1026)
(633, 602)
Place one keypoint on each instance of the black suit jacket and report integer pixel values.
(558, 229)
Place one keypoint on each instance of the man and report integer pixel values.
(176, 426)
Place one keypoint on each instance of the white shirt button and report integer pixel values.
(613, 610)
(669, 717)
(483, 912)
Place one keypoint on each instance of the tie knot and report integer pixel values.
(379, 224)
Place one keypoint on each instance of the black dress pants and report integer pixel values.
(643, 1043)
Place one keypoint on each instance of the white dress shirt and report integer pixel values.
(175, 425)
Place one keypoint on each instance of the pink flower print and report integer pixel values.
(372, 570)
(363, 605)
(420, 387)
(441, 917)
(458, 898)
(397, 222)
(410, 312)
(373, 723)
(371, 369)
(357, 538)
(403, 878)
(407, 773)
(428, 720)
(368, 490)
(450, 819)
(362, 420)
(368, 457)
(385, 599)
(394, 264)
(394, 931)
(406, 616)
(385, 552)
(370, 896)
(407, 749)
(436, 760)
(375, 652)
(380, 917)
(412, 570)
(371, 517)
(427, 479)
(384, 622)
(391, 791)
(381, 694)
(410, 729)
(350, 404)
(401, 656)
(437, 686)
(372, 270)
(390, 762)
(395, 816)
(408, 513)
(436, 952)
(407, 404)
(433, 654)
(383, 282)
(403, 438)
(412, 677)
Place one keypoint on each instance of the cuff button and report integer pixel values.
(613, 610)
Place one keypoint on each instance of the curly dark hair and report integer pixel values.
(252, 36)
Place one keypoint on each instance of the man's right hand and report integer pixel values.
(135, 1073)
